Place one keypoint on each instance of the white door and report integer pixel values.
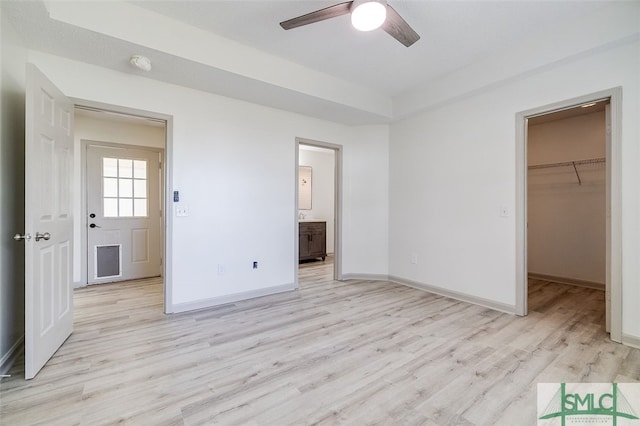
(48, 220)
(124, 239)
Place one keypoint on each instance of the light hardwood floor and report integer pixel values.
(356, 352)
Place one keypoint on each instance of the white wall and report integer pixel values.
(322, 188)
(566, 222)
(453, 167)
(113, 131)
(103, 130)
(12, 83)
(365, 201)
(234, 164)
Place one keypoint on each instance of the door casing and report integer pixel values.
(166, 184)
(614, 198)
(337, 266)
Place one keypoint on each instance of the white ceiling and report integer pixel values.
(453, 34)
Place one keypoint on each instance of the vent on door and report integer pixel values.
(107, 261)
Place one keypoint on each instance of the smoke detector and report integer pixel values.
(141, 62)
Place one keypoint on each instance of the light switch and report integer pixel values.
(182, 211)
(504, 211)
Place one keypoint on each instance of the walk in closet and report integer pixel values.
(566, 185)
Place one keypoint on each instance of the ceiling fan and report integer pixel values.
(366, 15)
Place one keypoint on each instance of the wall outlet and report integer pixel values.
(504, 211)
(221, 269)
(413, 258)
(255, 264)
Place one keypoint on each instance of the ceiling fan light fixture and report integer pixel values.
(367, 15)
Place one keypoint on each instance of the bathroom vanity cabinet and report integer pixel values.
(313, 240)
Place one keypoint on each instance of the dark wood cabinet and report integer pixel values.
(313, 240)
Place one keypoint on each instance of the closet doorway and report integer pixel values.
(318, 209)
(568, 202)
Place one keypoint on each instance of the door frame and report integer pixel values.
(337, 214)
(166, 184)
(613, 195)
(84, 245)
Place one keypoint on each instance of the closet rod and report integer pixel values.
(568, 164)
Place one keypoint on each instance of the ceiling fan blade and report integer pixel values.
(317, 16)
(398, 28)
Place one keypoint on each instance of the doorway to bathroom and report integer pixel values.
(318, 209)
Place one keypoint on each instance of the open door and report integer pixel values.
(48, 220)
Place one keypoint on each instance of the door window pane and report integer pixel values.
(110, 187)
(125, 187)
(125, 207)
(140, 207)
(125, 168)
(139, 169)
(140, 188)
(110, 207)
(110, 167)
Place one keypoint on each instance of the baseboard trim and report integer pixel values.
(491, 304)
(365, 277)
(230, 298)
(629, 340)
(568, 281)
(10, 357)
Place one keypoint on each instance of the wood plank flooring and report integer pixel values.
(353, 353)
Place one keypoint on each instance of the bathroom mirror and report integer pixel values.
(304, 187)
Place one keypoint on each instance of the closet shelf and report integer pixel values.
(573, 164)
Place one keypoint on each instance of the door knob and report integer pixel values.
(19, 237)
(93, 225)
(92, 215)
(44, 236)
